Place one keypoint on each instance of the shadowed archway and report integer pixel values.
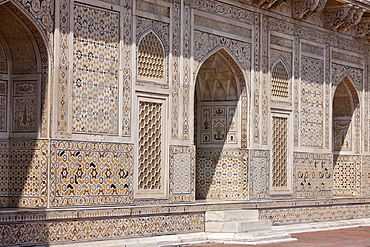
(220, 129)
(23, 86)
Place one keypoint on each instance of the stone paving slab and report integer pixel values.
(351, 237)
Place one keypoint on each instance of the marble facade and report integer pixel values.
(118, 105)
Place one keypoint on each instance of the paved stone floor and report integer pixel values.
(352, 237)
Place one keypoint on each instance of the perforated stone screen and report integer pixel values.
(150, 146)
(280, 81)
(279, 143)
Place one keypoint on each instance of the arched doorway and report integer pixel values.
(220, 129)
(23, 79)
(346, 127)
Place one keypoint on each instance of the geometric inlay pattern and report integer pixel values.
(259, 174)
(151, 57)
(150, 146)
(3, 65)
(222, 174)
(182, 172)
(95, 70)
(313, 175)
(365, 175)
(24, 169)
(312, 102)
(280, 152)
(311, 214)
(31, 233)
(280, 81)
(182, 177)
(90, 173)
(347, 175)
(3, 105)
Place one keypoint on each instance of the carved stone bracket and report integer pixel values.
(342, 18)
(269, 4)
(302, 9)
(363, 28)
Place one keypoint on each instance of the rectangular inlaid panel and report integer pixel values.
(311, 214)
(347, 175)
(90, 173)
(182, 173)
(312, 102)
(222, 174)
(3, 67)
(25, 113)
(3, 113)
(259, 174)
(3, 104)
(95, 70)
(4, 178)
(312, 175)
(218, 124)
(24, 88)
(31, 233)
(24, 179)
(365, 175)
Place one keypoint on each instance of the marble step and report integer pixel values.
(232, 215)
(238, 227)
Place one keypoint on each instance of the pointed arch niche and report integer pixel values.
(151, 59)
(280, 87)
(220, 123)
(345, 123)
(346, 140)
(23, 110)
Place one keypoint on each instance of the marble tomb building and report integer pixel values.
(126, 118)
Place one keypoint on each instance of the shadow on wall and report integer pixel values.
(345, 126)
(23, 152)
(219, 173)
(23, 75)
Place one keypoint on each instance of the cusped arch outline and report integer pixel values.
(164, 54)
(241, 85)
(43, 56)
(288, 79)
(356, 111)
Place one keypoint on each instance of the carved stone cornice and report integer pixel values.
(302, 9)
(269, 4)
(342, 18)
(363, 28)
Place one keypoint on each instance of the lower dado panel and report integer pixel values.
(101, 173)
(83, 174)
(259, 162)
(347, 175)
(311, 214)
(23, 180)
(365, 175)
(312, 175)
(98, 229)
(222, 174)
(90, 173)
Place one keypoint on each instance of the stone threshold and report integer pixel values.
(49, 214)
